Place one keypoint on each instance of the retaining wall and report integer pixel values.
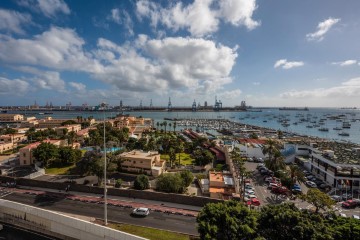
(56, 224)
(130, 193)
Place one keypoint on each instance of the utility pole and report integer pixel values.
(105, 190)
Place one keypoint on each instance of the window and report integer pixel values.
(24, 154)
(24, 161)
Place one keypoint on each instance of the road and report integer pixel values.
(172, 222)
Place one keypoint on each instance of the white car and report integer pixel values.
(249, 191)
(141, 211)
(249, 187)
(356, 217)
(249, 197)
(311, 184)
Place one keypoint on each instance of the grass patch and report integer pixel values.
(59, 170)
(185, 158)
(149, 233)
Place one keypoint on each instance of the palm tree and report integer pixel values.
(157, 124)
(296, 174)
(174, 126)
(276, 162)
(165, 124)
(269, 148)
(169, 126)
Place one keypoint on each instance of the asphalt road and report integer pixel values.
(177, 223)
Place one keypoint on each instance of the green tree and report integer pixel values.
(174, 126)
(319, 199)
(179, 148)
(92, 163)
(68, 122)
(141, 182)
(68, 155)
(171, 183)
(345, 228)
(286, 221)
(165, 124)
(203, 157)
(45, 152)
(172, 156)
(227, 220)
(296, 174)
(187, 178)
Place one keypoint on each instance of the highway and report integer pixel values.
(171, 222)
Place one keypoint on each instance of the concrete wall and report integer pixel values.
(58, 225)
(149, 195)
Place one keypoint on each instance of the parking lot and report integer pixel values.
(267, 197)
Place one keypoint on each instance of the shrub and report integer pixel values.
(141, 182)
(118, 183)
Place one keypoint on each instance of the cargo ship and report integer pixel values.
(294, 109)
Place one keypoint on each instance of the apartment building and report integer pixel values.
(143, 162)
(135, 125)
(50, 122)
(333, 162)
(13, 138)
(221, 185)
(26, 153)
(6, 146)
(68, 128)
(7, 117)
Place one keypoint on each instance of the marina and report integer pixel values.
(317, 122)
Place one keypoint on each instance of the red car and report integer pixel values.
(279, 190)
(349, 204)
(253, 202)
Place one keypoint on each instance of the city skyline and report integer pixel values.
(298, 53)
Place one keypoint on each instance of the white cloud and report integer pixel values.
(239, 12)
(350, 88)
(170, 63)
(322, 29)
(78, 86)
(144, 65)
(122, 18)
(200, 18)
(13, 86)
(232, 94)
(58, 48)
(345, 63)
(283, 63)
(256, 83)
(13, 21)
(48, 7)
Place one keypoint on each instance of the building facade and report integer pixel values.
(143, 162)
(6, 117)
(26, 153)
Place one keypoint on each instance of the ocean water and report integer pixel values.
(268, 117)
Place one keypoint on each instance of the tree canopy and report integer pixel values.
(141, 182)
(45, 152)
(319, 199)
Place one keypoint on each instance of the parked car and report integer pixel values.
(356, 217)
(336, 198)
(271, 185)
(141, 211)
(279, 190)
(249, 191)
(311, 184)
(255, 202)
(296, 189)
(260, 165)
(248, 197)
(249, 187)
(349, 204)
(346, 196)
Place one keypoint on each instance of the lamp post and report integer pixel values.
(105, 190)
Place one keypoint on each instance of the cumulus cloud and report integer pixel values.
(345, 63)
(13, 86)
(58, 48)
(170, 63)
(232, 94)
(350, 88)
(322, 29)
(200, 18)
(144, 65)
(283, 63)
(78, 86)
(122, 18)
(13, 21)
(256, 83)
(48, 7)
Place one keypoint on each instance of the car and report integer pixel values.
(279, 190)
(249, 187)
(260, 165)
(141, 211)
(346, 196)
(271, 185)
(342, 215)
(356, 217)
(336, 198)
(248, 197)
(349, 204)
(249, 191)
(296, 189)
(255, 202)
(311, 184)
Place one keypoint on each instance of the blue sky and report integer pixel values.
(268, 53)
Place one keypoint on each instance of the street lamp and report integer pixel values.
(105, 191)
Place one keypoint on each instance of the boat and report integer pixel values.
(3, 111)
(294, 109)
(337, 128)
(309, 126)
(346, 125)
(324, 129)
(345, 134)
(48, 113)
